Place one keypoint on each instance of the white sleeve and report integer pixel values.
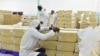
(44, 28)
(41, 36)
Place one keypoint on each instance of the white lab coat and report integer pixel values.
(30, 39)
(53, 20)
(86, 41)
(42, 16)
(96, 44)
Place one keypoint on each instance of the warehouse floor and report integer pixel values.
(5, 54)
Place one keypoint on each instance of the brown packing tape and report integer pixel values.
(51, 52)
(61, 53)
(49, 44)
(65, 46)
(68, 36)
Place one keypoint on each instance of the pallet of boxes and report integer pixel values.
(10, 38)
(65, 19)
(10, 17)
(61, 44)
(85, 18)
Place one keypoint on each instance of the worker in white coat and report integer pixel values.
(88, 39)
(53, 18)
(31, 37)
(42, 16)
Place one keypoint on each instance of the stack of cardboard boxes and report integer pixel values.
(60, 19)
(10, 37)
(61, 44)
(27, 19)
(85, 18)
(65, 19)
(8, 18)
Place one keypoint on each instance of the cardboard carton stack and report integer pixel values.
(60, 19)
(88, 19)
(69, 18)
(1, 19)
(8, 18)
(85, 18)
(62, 44)
(27, 19)
(10, 37)
(66, 43)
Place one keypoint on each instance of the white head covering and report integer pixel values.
(34, 23)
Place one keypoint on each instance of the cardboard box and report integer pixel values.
(19, 32)
(60, 18)
(76, 54)
(68, 36)
(49, 44)
(6, 32)
(51, 52)
(54, 38)
(16, 48)
(65, 46)
(60, 53)
(17, 41)
(7, 40)
(7, 46)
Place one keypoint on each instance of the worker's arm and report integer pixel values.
(42, 36)
(44, 28)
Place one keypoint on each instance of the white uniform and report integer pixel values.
(42, 16)
(53, 20)
(30, 39)
(86, 41)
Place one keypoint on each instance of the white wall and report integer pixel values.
(29, 7)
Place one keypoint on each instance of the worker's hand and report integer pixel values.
(56, 29)
(50, 28)
(41, 22)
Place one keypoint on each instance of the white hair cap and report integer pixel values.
(34, 23)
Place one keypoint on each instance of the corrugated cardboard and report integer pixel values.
(76, 54)
(16, 48)
(7, 40)
(65, 46)
(68, 36)
(60, 53)
(54, 38)
(6, 32)
(7, 46)
(19, 32)
(49, 44)
(51, 52)
(17, 41)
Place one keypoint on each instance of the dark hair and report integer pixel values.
(52, 11)
(39, 7)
